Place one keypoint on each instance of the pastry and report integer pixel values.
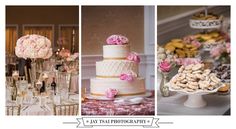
(181, 49)
(194, 77)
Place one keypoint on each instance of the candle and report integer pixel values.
(15, 75)
(45, 76)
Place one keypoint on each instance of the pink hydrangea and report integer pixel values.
(127, 77)
(117, 40)
(133, 56)
(111, 93)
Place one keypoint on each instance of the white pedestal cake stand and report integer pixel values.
(195, 99)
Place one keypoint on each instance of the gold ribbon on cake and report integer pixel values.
(98, 94)
(99, 76)
(118, 58)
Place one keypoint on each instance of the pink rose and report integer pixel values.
(126, 77)
(217, 51)
(188, 39)
(227, 45)
(111, 93)
(196, 43)
(33, 46)
(165, 66)
(117, 40)
(133, 56)
(64, 53)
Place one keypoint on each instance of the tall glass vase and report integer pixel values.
(163, 87)
(33, 71)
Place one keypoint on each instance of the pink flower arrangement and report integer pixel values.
(64, 53)
(227, 45)
(128, 76)
(221, 51)
(192, 40)
(117, 40)
(72, 57)
(33, 47)
(187, 61)
(165, 66)
(111, 93)
(133, 56)
(217, 51)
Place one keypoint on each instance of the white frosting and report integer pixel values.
(115, 51)
(98, 86)
(115, 67)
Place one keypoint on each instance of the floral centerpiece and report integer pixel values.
(33, 47)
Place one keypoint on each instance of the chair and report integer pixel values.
(13, 110)
(9, 79)
(21, 78)
(66, 109)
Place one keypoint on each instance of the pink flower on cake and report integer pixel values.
(165, 66)
(128, 76)
(117, 40)
(133, 56)
(111, 93)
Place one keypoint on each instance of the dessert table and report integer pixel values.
(173, 105)
(109, 107)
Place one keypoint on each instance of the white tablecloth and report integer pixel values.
(36, 109)
(173, 105)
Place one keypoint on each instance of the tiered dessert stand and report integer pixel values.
(195, 99)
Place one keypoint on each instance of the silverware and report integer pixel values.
(44, 108)
(25, 108)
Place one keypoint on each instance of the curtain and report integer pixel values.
(40, 30)
(70, 33)
(11, 37)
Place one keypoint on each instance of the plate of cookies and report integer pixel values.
(194, 80)
(181, 49)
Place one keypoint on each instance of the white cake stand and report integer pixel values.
(195, 99)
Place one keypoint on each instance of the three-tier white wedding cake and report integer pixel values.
(118, 73)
